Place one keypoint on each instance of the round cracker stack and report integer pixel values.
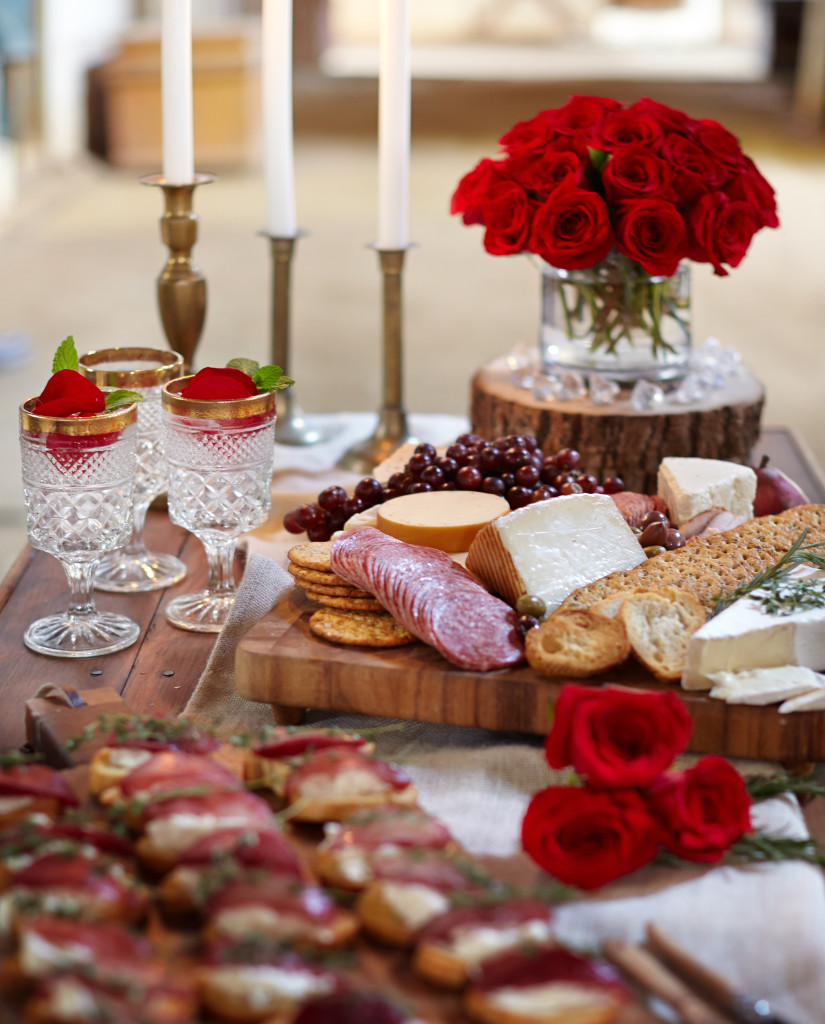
(359, 629)
(309, 565)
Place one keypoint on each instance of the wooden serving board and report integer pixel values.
(280, 662)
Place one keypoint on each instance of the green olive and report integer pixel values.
(654, 549)
(636, 529)
(530, 604)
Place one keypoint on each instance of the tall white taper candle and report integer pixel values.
(394, 126)
(276, 101)
(176, 89)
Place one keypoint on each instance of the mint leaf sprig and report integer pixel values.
(121, 397)
(266, 378)
(66, 357)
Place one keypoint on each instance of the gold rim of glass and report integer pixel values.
(137, 378)
(76, 426)
(214, 409)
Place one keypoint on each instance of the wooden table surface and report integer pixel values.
(158, 673)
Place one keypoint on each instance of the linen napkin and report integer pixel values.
(761, 926)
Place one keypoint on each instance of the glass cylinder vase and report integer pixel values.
(616, 320)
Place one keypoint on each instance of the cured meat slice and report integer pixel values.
(436, 599)
(388, 823)
(634, 507)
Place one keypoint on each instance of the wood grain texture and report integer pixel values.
(617, 440)
(292, 668)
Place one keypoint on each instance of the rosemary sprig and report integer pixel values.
(756, 847)
(784, 597)
(795, 555)
(764, 787)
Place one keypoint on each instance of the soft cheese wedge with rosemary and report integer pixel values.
(780, 624)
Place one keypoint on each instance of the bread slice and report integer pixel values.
(659, 625)
(577, 643)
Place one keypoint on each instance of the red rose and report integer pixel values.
(752, 188)
(696, 172)
(472, 190)
(703, 810)
(636, 172)
(571, 229)
(543, 175)
(69, 393)
(652, 232)
(588, 838)
(507, 214)
(581, 115)
(214, 383)
(616, 738)
(718, 141)
(668, 117)
(631, 127)
(721, 230)
(530, 136)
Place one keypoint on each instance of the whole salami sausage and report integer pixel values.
(435, 598)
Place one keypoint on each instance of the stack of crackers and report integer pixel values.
(348, 615)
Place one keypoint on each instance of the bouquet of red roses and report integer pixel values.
(615, 197)
(577, 181)
(630, 804)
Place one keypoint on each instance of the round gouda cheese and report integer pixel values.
(447, 520)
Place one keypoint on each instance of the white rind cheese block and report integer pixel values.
(690, 486)
(550, 548)
(745, 636)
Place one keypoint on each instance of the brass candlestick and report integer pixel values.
(391, 430)
(290, 426)
(181, 285)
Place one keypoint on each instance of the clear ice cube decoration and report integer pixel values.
(77, 490)
(572, 386)
(220, 480)
(133, 568)
(602, 390)
(646, 395)
(691, 389)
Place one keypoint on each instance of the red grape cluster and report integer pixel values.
(511, 466)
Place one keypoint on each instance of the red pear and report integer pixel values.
(775, 491)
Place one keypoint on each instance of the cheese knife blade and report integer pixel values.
(712, 987)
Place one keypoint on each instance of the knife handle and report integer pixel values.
(649, 974)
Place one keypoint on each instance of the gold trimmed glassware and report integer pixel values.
(78, 475)
(134, 569)
(220, 455)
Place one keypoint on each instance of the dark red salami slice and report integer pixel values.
(400, 826)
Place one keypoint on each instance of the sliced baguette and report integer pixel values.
(577, 643)
(659, 625)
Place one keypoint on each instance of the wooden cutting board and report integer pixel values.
(280, 662)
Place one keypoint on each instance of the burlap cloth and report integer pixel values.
(761, 926)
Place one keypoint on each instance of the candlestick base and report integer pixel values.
(290, 427)
(181, 287)
(391, 430)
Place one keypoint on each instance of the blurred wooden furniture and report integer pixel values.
(226, 98)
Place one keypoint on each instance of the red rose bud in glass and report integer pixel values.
(616, 738)
(215, 384)
(69, 393)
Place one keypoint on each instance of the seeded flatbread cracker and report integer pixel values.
(709, 566)
(312, 554)
(359, 629)
(355, 604)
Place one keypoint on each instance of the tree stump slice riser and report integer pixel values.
(626, 443)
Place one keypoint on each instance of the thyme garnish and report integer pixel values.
(795, 556)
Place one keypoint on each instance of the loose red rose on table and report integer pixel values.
(616, 738)
(587, 838)
(703, 810)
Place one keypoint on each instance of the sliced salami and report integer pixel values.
(435, 598)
